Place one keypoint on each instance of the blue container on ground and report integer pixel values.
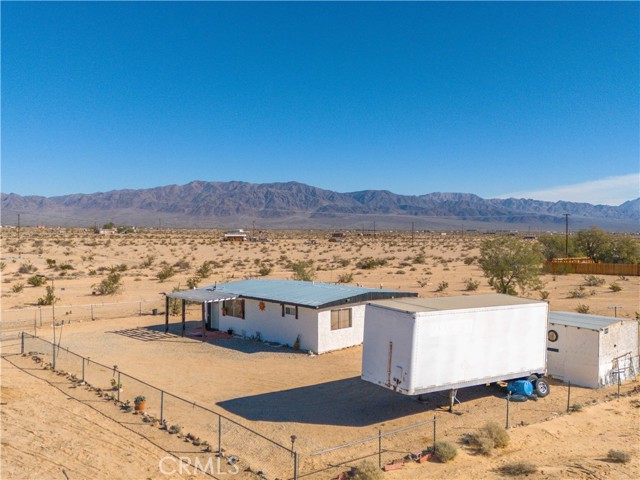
(520, 387)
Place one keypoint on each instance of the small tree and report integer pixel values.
(303, 271)
(509, 263)
(49, 297)
(110, 285)
(36, 281)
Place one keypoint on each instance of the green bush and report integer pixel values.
(110, 285)
(471, 285)
(442, 286)
(303, 271)
(17, 288)
(369, 263)
(582, 308)
(345, 278)
(593, 281)
(615, 287)
(49, 298)
(445, 452)
(36, 281)
(166, 273)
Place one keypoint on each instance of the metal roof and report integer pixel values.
(581, 320)
(305, 294)
(454, 303)
(201, 295)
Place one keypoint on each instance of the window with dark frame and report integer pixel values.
(340, 318)
(234, 308)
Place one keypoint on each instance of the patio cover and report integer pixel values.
(202, 296)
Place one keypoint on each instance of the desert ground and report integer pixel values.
(277, 393)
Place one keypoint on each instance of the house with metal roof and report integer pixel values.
(315, 316)
(591, 350)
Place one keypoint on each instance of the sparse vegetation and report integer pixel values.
(303, 270)
(593, 281)
(509, 263)
(442, 286)
(619, 456)
(490, 436)
(367, 470)
(445, 451)
(49, 297)
(110, 285)
(471, 285)
(581, 308)
(615, 287)
(37, 281)
(17, 288)
(369, 263)
(166, 273)
(345, 278)
(516, 469)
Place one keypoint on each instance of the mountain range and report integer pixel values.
(296, 205)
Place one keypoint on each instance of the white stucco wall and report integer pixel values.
(272, 326)
(576, 360)
(621, 338)
(344, 337)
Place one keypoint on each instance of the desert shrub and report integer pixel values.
(496, 433)
(182, 264)
(593, 281)
(576, 407)
(17, 288)
(51, 263)
(581, 308)
(174, 429)
(615, 287)
(27, 268)
(166, 272)
(544, 294)
(193, 282)
(110, 285)
(36, 281)
(49, 298)
(65, 266)
(148, 261)
(420, 259)
(442, 286)
(303, 271)
(619, 456)
(264, 270)
(204, 270)
(580, 292)
(469, 260)
(518, 468)
(367, 471)
(369, 263)
(343, 262)
(471, 285)
(345, 278)
(445, 451)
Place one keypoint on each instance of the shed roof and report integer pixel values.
(305, 294)
(460, 302)
(201, 295)
(581, 320)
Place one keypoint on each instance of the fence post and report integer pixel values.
(40, 309)
(54, 356)
(219, 434)
(161, 406)
(83, 370)
(508, 402)
(434, 433)
(92, 317)
(140, 311)
(569, 397)
(295, 465)
(21, 342)
(119, 385)
(379, 448)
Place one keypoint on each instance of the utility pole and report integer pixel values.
(566, 235)
(615, 310)
(18, 234)
(413, 232)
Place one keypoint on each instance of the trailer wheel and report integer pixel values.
(533, 379)
(542, 388)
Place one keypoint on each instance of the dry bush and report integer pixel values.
(498, 434)
(490, 436)
(619, 456)
(367, 471)
(518, 469)
(445, 451)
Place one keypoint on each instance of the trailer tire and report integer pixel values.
(542, 388)
(533, 379)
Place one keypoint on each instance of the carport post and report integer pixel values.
(508, 401)
(434, 434)
(162, 406)
(569, 397)
(219, 436)
(379, 448)
(184, 325)
(21, 342)
(83, 370)
(295, 465)
(166, 314)
(204, 337)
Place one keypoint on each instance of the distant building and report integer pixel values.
(591, 350)
(237, 235)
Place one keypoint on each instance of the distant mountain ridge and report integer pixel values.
(296, 205)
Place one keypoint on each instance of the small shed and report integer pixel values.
(591, 350)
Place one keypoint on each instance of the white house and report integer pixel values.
(591, 350)
(320, 317)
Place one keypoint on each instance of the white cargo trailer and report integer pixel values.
(420, 345)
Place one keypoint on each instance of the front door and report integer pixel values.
(213, 316)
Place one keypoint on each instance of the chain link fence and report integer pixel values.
(249, 450)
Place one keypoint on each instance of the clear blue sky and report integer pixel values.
(487, 98)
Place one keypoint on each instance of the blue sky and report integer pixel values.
(532, 99)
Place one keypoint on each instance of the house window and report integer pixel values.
(290, 311)
(233, 308)
(340, 318)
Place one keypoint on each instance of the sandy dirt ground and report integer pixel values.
(278, 393)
